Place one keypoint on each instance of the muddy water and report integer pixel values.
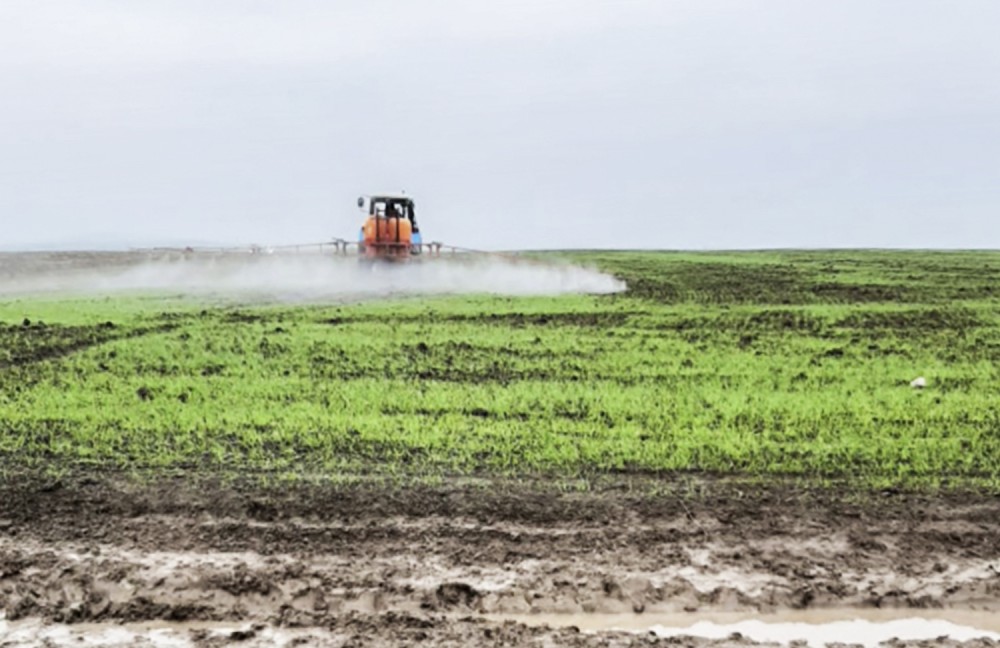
(814, 627)
(866, 627)
(161, 634)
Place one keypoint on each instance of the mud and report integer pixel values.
(395, 565)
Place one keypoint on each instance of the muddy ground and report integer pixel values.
(385, 566)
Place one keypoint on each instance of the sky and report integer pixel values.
(694, 124)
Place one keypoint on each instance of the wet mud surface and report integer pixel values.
(365, 565)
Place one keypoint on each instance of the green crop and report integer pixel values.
(770, 364)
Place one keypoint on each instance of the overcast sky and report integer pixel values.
(514, 124)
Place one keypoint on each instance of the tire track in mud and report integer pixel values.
(195, 572)
(141, 554)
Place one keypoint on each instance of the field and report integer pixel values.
(750, 365)
(377, 467)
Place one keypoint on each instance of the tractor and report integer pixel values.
(390, 231)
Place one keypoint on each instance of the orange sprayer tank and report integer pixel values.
(388, 231)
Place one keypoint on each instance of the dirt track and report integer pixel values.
(400, 565)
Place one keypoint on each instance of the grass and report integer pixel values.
(760, 365)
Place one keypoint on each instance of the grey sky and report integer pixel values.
(522, 123)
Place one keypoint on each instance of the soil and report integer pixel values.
(395, 566)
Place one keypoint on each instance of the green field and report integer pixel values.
(791, 364)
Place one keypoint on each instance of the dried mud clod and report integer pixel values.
(450, 595)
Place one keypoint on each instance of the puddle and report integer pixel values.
(151, 634)
(35, 632)
(816, 627)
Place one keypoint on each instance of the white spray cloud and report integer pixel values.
(296, 278)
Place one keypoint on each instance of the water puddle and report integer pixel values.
(815, 627)
(35, 632)
(867, 627)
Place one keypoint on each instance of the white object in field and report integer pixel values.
(919, 383)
